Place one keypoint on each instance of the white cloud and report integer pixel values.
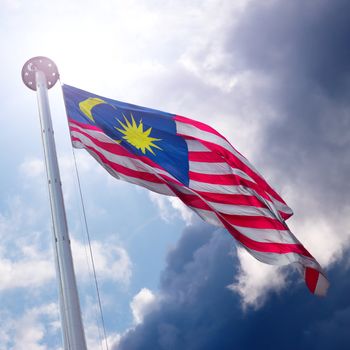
(256, 280)
(30, 270)
(93, 328)
(18, 219)
(29, 330)
(325, 234)
(25, 262)
(142, 303)
(112, 262)
(32, 167)
(12, 4)
(185, 213)
(323, 240)
(171, 207)
(113, 340)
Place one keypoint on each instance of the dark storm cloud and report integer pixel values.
(192, 288)
(307, 40)
(304, 48)
(197, 311)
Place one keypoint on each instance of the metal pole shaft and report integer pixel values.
(72, 326)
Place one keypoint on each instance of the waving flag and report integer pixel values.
(177, 156)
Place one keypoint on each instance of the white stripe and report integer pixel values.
(274, 258)
(230, 189)
(77, 144)
(221, 168)
(127, 162)
(214, 188)
(155, 187)
(131, 163)
(281, 206)
(258, 235)
(244, 210)
(229, 208)
(321, 286)
(209, 168)
(196, 146)
(242, 174)
(233, 209)
(192, 131)
(267, 235)
(283, 259)
(208, 216)
(98, 135)
(197, 186)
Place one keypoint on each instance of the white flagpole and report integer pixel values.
(40, 74)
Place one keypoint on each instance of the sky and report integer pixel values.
(273, 77)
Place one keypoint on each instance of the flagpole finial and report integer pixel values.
(43, 64)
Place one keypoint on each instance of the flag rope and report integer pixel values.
(86, 227)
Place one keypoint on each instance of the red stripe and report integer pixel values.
(116, 149)
(215, 179)
(235, 199)
(228, 179)
(234, 162)
(224, 199)
(108, 146)
(198, 125)
(229, 156)
(205, 157)
(278, 248)
(130, 172)
(250, 221)
(284, 216)
(237, 163)
(85, 126)
(261, 222)
(311, 278)
(193, 201)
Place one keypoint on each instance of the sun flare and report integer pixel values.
(136, 136)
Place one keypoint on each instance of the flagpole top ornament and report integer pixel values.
(43, 64)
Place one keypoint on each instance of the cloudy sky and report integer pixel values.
(272, 76)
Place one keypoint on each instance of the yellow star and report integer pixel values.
(136, 136)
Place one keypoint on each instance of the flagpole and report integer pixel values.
(40, 74)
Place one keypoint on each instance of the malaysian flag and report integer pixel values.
(177, 156)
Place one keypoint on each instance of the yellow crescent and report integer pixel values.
(87, 105)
